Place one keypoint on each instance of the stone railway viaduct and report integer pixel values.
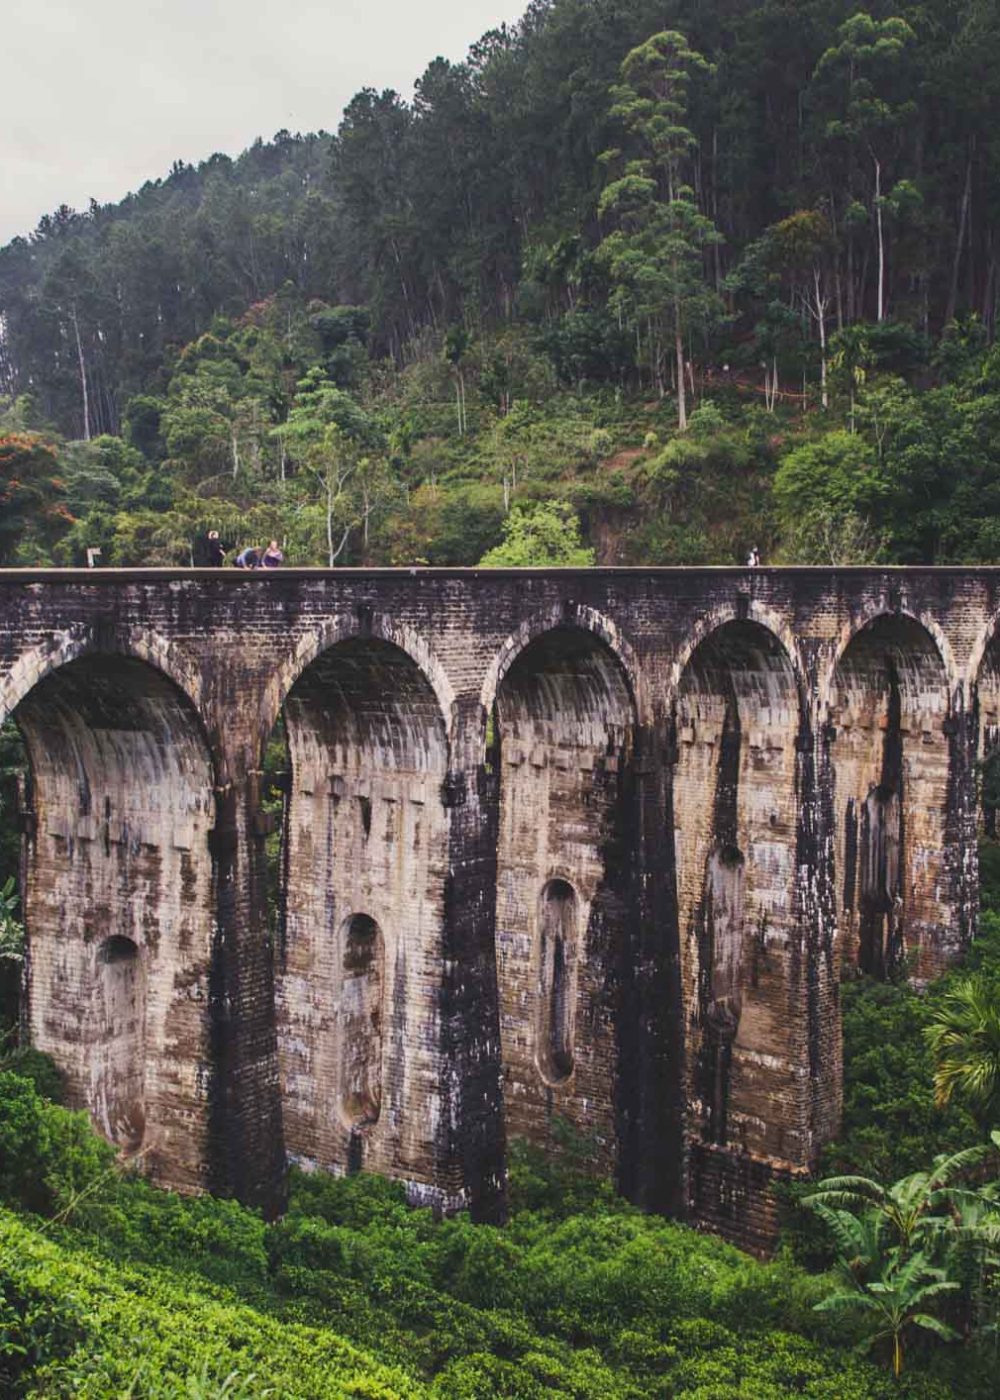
(594, 846)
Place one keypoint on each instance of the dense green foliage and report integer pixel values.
(919, 1253)
(548, 535)
(74, 1325)
(480, 197)
(131, 1285)
(892, 1124)
(916, 1245)
(771, 221)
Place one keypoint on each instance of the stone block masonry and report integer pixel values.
(592, 848)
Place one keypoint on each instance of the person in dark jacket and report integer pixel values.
(214, 553)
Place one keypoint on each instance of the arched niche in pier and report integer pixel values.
(737, 717)
(119, 903)
(118, 1043)
(889, 760)
(559, 937)
(363, 869)
(564, 729)
(362, 1021)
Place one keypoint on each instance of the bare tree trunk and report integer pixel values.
(255, 440)
(970, 234)
(404, 288)
(881, 239)
(863, 282)
(340, 547)
(682, 417)
(83, 377)
(716, 255)
(956, 265)
(989, 293)
(820, 314)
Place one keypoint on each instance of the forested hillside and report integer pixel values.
(635, 282)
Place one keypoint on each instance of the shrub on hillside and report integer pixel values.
(51, 1160)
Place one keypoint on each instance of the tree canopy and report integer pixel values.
(517, 286)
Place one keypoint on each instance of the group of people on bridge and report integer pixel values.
(252, 557)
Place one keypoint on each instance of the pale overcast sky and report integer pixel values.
(100, 95)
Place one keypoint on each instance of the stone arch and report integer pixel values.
(890, 731)
(739, 720)
(564, 722)
(121, 806)
(75, 642)
(983, 689)
(752, 610)
(348, 627)
(365, 837)
(858, 624)
(986, 640)
(560, 616)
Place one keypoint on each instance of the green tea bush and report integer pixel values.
(560, 1181)
(35, 1329)
(78, 1326)
(145, 1293)
(537, 1375)
(217, 1239)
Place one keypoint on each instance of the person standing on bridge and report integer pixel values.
(215, 554)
